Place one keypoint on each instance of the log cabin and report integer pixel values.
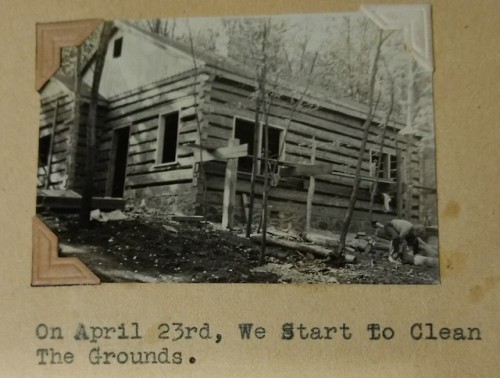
(166, 113)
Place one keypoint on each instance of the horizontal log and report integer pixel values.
(177, 82)
(144, 102)
(153, 111)
(298, 196)
(337, 105)
(221, 153)
(160, 177)
(182, 162)
(321, 239)
(142, 158)
(295, 212)
(319, 118)
(310, 170)
(306, 248)
(75, 203)
(49, 102)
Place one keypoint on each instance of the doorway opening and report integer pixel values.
(118, 163)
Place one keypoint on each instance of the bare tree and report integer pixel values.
(100, 57)
(164, 27)
(198, 123)
(366, 128)
(261, 77)
(379, 160)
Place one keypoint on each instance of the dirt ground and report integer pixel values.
(143, 248)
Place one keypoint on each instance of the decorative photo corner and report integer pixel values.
(277, 149)
(49, 268)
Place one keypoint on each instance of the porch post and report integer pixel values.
(230, 188)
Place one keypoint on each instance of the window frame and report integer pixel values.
(160, 140)
(386, 156)
(261, 138)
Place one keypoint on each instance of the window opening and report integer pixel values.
(244, 131)
(117, 47)
(44, 150)
(169, 127)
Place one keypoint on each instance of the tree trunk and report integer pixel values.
(254, 166)
(366, 128)
(261, 79)
(86, 206)
(379, 161)
(265, 191)
(410, 115)
(399, 193)
(75, 127)
(201, 167)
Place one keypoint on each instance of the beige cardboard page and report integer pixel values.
(52, 323)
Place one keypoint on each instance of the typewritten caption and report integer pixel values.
(172, 338)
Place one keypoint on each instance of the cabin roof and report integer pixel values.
(225, 66)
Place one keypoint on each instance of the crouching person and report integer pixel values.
(402, 233)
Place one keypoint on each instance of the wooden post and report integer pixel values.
(421, 198)
(410, 115)
(91, 145)
(310, 190)
(75, 125)
(399, 179)
(244, 200)
(409, 175)
(51, 147)
(230, 188)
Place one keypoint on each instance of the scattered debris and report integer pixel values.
(358, 244)
(285, 235)
(115, 215)
(145, 248)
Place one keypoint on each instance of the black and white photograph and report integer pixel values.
(292, 149)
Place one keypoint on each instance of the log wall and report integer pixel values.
(166, 187)
(216, 101)
(58, 170)
(61, 144)
(338, 139)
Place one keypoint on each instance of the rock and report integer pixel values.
(358, 244)
(170, 229)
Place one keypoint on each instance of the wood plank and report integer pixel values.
(350, 108)
(321, 156)
(177, 82)
(222, 153)
(230, 178)
(307, 170)
(295, 211)
(182, 162)
(329, 134)
(310, 190)
(160, 177)
(298, 196)
(153, 111)
(335, 189)
(145, 102)
(75, 203)
(145, 157)
(319, 118)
